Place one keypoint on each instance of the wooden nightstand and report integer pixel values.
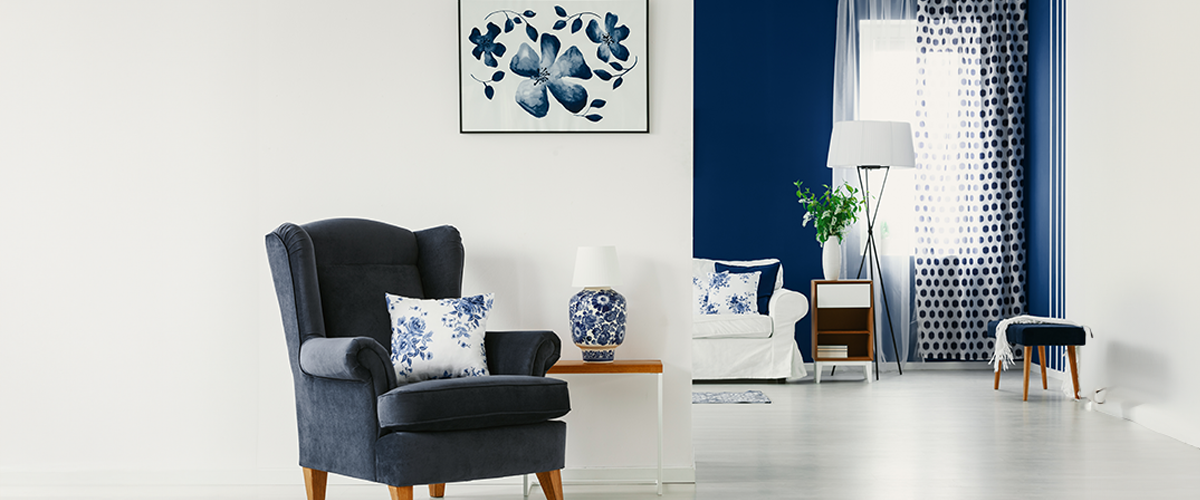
(843, 326)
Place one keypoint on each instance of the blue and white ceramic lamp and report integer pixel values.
(597, 312)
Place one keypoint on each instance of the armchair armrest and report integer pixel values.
(521, 352)
(787, 307)
(350, 358)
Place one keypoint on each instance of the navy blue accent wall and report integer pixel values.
(1037, 160)
(763, 115)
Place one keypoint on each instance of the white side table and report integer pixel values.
(621, 366)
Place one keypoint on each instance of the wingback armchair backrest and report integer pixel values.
(353, 262)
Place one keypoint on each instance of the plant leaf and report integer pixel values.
(529, 13)
(560, 11)
(517, 20)
(598, 103)
(560, 24)
(604, 75)
(576, 24)
(529, 30)
(594, 118)
(616, 65)
(489, 91)
(618, 83)
(497, 76)
(508, 25)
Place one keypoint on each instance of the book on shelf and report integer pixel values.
(833, 351)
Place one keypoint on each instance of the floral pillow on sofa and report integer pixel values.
(726, 293)
(438, 338)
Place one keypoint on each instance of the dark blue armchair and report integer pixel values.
(353, 418)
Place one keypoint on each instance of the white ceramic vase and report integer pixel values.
(831, 258)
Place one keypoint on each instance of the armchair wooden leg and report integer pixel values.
(996, 386)
(437, 490)
(1028, 354)
(314, 483)
(551, 484)
(401, 492)
(1042, 362)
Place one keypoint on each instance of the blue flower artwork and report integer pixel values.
(486, 45)
(550, 72)
(609, 38)
(553, 66)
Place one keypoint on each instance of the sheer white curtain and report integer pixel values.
(875, 79)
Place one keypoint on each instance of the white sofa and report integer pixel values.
(747, 346)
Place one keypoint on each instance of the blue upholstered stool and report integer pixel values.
(1031, 335)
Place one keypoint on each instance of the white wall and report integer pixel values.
(145, 149)
(1132, 176)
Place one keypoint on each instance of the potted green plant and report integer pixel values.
(832, 213)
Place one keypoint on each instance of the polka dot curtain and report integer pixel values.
(969, 138)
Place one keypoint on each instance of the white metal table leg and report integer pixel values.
(660, 433)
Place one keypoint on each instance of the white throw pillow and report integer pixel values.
(732, 293)
(438, 338)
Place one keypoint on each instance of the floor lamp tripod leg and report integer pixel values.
(887, 310)
(871, 252)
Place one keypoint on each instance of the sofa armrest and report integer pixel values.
(787, 307)
(350, 358)
(521, 352)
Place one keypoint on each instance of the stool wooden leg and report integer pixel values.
(1028, 354)
(996, 386)
(1042, 362)
(1074, 369)
(437, 490)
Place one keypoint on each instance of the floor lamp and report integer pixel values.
(871, 146)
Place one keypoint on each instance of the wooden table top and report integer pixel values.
(619, 366)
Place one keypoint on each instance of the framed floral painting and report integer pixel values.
(553, 66)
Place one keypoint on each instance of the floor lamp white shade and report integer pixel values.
(871, 144)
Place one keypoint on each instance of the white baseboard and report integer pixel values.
(921, 366)
(289, 476)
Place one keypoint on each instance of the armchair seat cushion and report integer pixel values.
(731, 326)
(472, 403)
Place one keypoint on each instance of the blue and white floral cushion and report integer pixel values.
(438, 338)
(732, 293)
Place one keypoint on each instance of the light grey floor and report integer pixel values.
(930, 434)
(926, 434)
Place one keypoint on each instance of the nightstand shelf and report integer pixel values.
(843, 323)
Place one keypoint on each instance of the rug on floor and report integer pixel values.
(720, 398)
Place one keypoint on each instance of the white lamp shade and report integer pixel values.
(596, 267)
(871, 144)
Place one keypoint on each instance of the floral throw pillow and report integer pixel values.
(700, 294)
(438, 338)
(732, 293)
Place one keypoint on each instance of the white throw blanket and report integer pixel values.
(1003, 356)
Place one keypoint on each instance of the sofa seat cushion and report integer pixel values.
(731, 326)
(473, 403)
